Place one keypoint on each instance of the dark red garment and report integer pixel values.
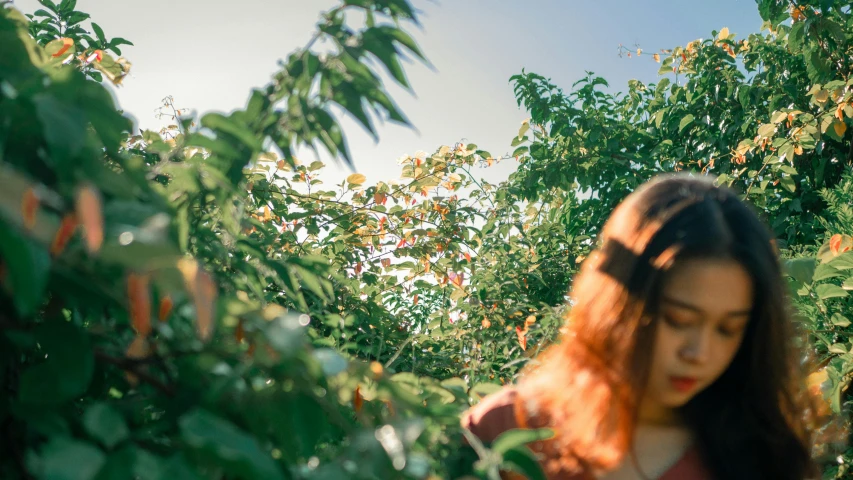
(496, 414)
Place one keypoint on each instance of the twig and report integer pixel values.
(396, 355)
(132, 366)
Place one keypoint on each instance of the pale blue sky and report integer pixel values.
(207, 54)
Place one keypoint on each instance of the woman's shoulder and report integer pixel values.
(496, 413)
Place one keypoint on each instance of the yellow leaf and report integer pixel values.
(724, 33)
(356, 179)
(656, 57)
(840, 128)
(639, 51)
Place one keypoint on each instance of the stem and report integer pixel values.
(132, 366)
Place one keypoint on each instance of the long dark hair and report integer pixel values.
(752, 422)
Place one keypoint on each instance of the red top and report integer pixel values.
(496, 414)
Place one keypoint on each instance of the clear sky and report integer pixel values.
(208, 54)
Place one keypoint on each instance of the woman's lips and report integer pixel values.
(683, 384)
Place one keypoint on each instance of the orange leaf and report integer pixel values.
(204, 292)
(357, 268)
(467, 256)
(205, 302)
(357, 399)
(139, 298)
(840, 128)
(137, 350)
(486, 323)
(29, 208)
(63, 234)
(522, 337)
(839, 112)
(240, 332)
(165, 308)
(835, 243)
(529, 321)
(415, 300)
(66, 44)
(91, 217)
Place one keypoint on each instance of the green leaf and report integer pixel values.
(788, 183)
(64, 128)
(99, 32)
(483, 389)
(67, 370)
(826, 291)
(840, 320)
(77, 17)
(117, 41)
(232, 127)
(105, 425)
(523, 461)
(519, 437)
(67, 459)
(685, 122)
(801, 269)
(385, 52)
(403, 38)
(767, 130)
(658, 117)
(67, 6)
(796, 37)
(221, 443)
(825, 271)
(28, 269)
(843, 261)
(177, 468)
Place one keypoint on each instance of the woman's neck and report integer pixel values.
(657, 415)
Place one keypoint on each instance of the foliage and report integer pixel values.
(197, 303)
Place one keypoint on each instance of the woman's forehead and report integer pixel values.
(713, 286)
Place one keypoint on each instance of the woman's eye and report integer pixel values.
(730, 332)
(676, 322)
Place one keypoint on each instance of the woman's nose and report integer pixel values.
(697, 346)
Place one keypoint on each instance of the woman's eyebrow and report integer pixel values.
(694, 308)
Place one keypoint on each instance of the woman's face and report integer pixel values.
(704, 311)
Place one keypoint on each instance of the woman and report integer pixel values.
(677, 360)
